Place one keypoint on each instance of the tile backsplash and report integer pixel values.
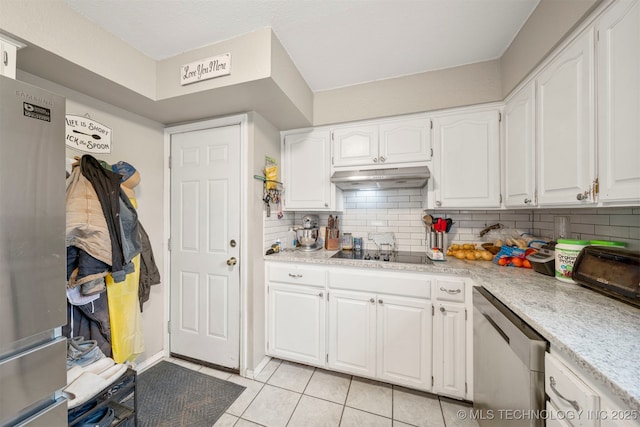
(400, 211)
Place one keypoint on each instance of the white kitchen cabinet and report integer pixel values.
(296, 313)
(381, 143)
(306, 172)
(619, 103)
(451, 358)
(8, 56)
(519, 149)
(381, 336)
(466, 167)
(565, 126)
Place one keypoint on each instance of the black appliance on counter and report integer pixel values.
(405, 257)
(544, 259)
(614, 272)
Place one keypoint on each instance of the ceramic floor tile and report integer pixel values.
(370, 396)
(272, 407)
(291, 376)
(226, 420)
(450, 410)
(244, 423)
(312, 412)
(215, 373)
(243, 401)
(354, 418)
(332, 386)
(416, 408)
(268, 370)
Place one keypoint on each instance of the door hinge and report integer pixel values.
(465, 314)
(500, 197)
(169, 162)
(331, 135)
(432, 381)
(596, 188)
(466, 389)
(169, 327)
(169, 244)
(430, 124)
(267, 288)
(331, 159)
(327, 357)
(433, 311)
(431, 149)
(499, 117)
(327, 296)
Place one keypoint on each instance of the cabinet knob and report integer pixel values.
(438, 203)
(321, 294)
(375, 160)
(380, 301)
(326, 205)
(372, 301)
(382, 159)
(527, 201)
(442, 309)
(581, 196)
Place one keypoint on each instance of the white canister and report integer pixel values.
(566, 253)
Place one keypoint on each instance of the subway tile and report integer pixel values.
(615, 211)
(590, 219)
(515, 217)
(366, 205)
(401, 199)
(583, 228)
(409, 204)
(628, 220)
(611, 231)
(388, 205)
(409, 192)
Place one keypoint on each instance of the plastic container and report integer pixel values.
(567, 251)
(347, 242)
(607, 243)
(292, 240)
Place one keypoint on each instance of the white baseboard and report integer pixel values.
(147, 363)
(252, 374)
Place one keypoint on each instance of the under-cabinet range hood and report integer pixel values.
(373, 179)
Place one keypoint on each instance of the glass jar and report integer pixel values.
(347, 242)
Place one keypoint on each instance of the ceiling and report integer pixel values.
(333, 43)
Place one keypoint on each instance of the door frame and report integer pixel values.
(242, 120)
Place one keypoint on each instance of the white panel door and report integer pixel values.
(405, 141)
(450, 353)
(355, 146)
(205, 211)
(296, 323)
(519, 148)
(565, 126)
(352, 332)
(619, 103)
(404, 341)
(467, 160)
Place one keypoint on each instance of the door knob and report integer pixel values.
(232, 261)
(382, 159)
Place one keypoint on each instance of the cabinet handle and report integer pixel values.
(375, 160)
(372, 301)
(5, 58)
(438, 203)
(382, 159)
(527, 201)
(442, 309)
(380, 301)
(552, 382)
(295, 276)
(450, 291)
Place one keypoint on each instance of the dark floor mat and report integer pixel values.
(171, 395)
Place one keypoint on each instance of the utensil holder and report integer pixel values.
(332, 239)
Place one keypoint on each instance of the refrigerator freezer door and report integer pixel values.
(32, 213)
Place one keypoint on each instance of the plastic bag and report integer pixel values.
(127, 340)
(271, 173)
(512, 257)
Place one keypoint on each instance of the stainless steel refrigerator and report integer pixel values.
(32, 256)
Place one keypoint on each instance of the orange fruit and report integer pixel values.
(526, 263)
(504, 261)
(516, 262)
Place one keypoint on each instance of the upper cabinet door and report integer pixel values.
(355, 146)
(467, 160)
(519, 148)
(405, 141)
(306, 171)
(565, 126)
(619, 103)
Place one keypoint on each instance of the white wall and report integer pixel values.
(138, 141)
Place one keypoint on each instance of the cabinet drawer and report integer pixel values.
(569, 393)
(450, 290)
(297, 274)
(376, 281)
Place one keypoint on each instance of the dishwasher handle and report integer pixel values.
(496, 327)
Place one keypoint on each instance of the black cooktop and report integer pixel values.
(396, 256)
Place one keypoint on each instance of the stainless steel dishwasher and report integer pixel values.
(508, 366)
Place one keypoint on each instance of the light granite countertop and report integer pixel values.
(599, 334)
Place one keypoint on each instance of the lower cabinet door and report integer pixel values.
(352, 334)
(404, 341)
(449, 350)
(296, 323)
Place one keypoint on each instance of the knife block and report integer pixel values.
(332, 239)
